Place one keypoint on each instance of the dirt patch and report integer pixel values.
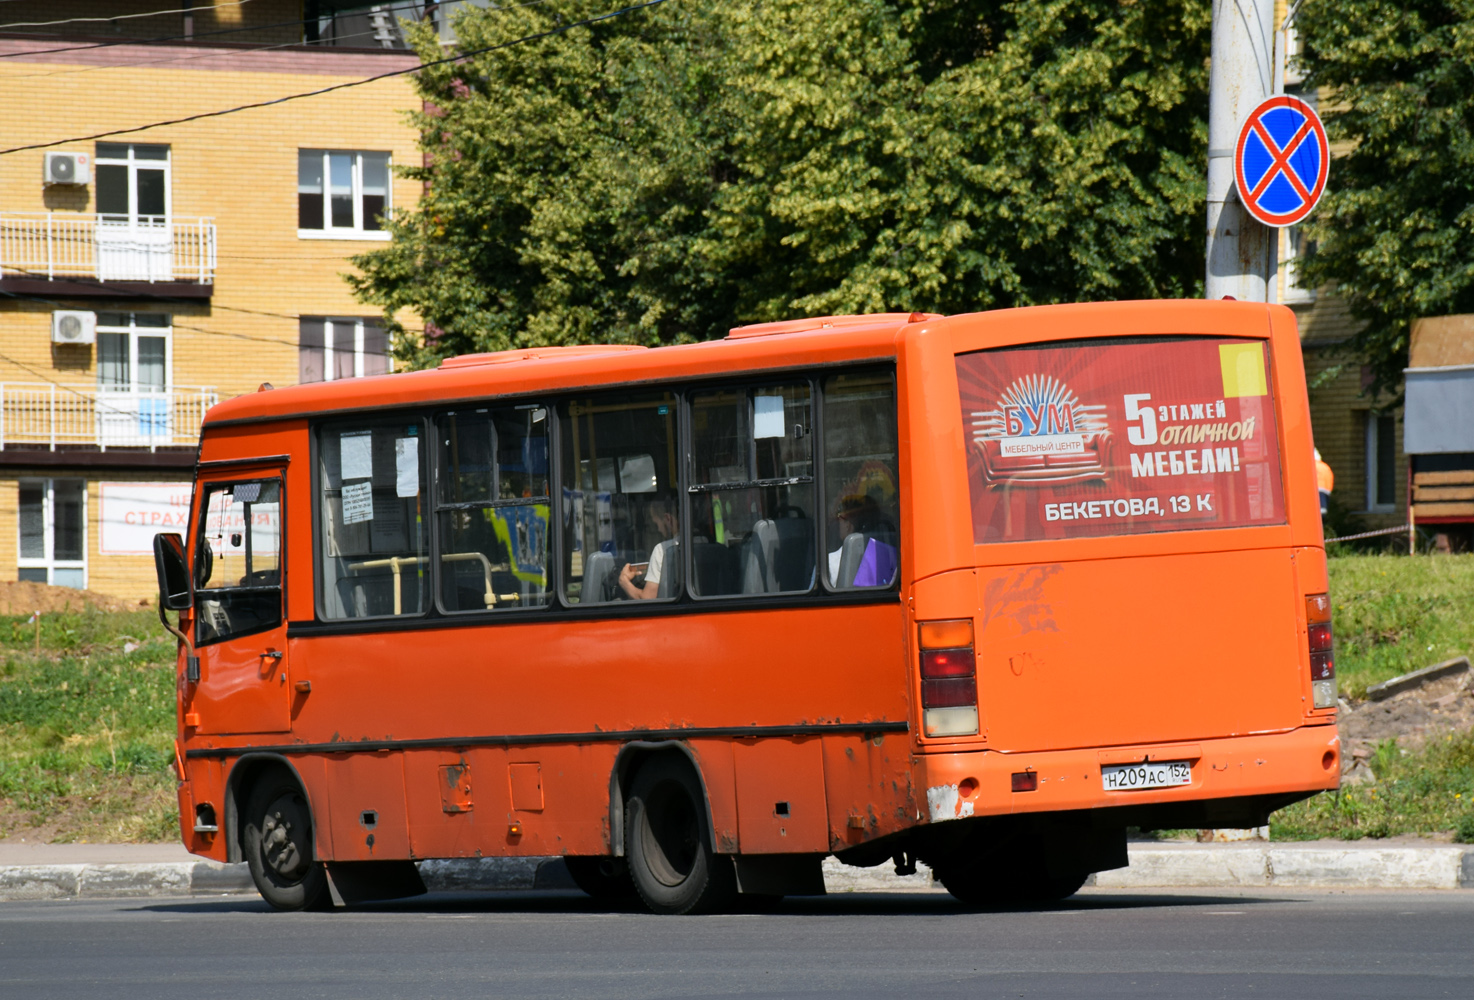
(22, 597)
(1411, 718)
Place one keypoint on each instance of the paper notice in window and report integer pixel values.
(358, 502)
(767, 417)
(356, 455)
(407, 467)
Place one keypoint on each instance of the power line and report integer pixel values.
(120, 17)
(195, 36)
(238, 49)
(561, 29)
(215, 54)
(160, 38)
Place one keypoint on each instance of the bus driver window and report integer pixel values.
(238, 563)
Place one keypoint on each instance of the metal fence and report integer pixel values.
(49, 414)
(108, 248)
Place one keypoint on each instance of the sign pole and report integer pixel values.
(1242, 253)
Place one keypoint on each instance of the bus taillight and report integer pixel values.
(1322, 657)
(949, 686)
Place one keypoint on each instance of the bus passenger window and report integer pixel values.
(752, 491)
(620, 509)
(860, 499)
(492, 508)
(372, 559)
(238, 563)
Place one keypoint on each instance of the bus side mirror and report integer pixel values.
(174, 591)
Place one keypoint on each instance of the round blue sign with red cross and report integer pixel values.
(1282, 160)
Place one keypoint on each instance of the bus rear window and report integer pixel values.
(1115, 437)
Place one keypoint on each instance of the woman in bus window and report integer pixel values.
(666, 524)
(860, 513)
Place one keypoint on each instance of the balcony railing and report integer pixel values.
(107, 248)
(47, 414)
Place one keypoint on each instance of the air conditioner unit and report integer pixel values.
(71, 327)
(66, 168)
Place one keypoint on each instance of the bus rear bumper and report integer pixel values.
(1270, 768)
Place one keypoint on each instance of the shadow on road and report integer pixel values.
(841, 904)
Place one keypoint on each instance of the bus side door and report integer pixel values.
(240, 624)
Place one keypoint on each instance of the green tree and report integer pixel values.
(1395, 229)
(671, 173)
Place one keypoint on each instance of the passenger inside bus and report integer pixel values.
(644, 583)
(866, 556)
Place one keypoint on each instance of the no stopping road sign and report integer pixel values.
(1282, 160)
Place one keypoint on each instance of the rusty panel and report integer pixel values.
(780, 796)
(452, 815)
(455, 787)
(366, 801)
(869, 786)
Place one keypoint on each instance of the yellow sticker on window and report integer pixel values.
(1243, 370)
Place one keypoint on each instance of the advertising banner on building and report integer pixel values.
(1114, 437)
(132, 513)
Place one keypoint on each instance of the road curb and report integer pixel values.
(1153, 866)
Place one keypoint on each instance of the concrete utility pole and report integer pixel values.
(1242, 252)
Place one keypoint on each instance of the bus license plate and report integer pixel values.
(1150, 774)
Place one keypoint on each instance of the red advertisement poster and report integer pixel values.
(1112, 437)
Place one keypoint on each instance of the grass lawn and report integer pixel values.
(1392, 614)
(86, 728)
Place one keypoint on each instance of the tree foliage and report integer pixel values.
(1395, 229)
(673, 172)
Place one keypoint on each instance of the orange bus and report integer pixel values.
(982, 591)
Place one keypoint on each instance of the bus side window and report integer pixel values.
(238, 564)
(372, 558)
(860, 496)
(620, 507)
(752, 490)
(492, 508)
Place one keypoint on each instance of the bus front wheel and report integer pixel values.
(278, 843)
(668, 846)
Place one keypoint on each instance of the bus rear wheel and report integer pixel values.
(668, 843)
(987, 885)
(278, 843)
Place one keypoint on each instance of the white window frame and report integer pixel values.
(1290, 255)
(49, 562)
(134, 164)
(134, 331)
(332, 327)
(356, 231)
(1373, 439)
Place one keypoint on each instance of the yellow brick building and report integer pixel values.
(145, 275)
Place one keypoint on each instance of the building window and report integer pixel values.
(133, 352)
(1381, 463)
(53, 532)
(331, 349)
(342, 194)
(1296, 248)
(134, 379)
(132, 183)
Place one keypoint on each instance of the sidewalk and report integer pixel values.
(69, 871)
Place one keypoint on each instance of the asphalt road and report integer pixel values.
(1194, 944)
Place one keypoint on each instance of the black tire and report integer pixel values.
(667, 843)
(602, 878)
(278, 843)
(987, 885)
